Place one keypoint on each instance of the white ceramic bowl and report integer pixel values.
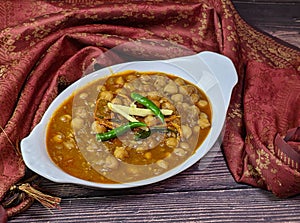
(211, 72)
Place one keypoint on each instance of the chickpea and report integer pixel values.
(145, 79)
(203, 115)
(177, 98)
(129, 86)
(121, 153)
(171, 88)
(179, 152)
(153, 96)
(186, 131)
(194, 110)
(106, 95)
(179, 81)
(195, 98)
(83, 95)
(202, 103)
(118, 91)
(149, 120)
(148, 87)
(163, 164)
(137, 85)
(185, 106)
(148, 155)
(77, 123)
(110, 80)
(98, 128)
(183, 90)
(65, 118)
(196, 129)
(120, 80)
(92, 105)
(59, 138)
(131, 77)
(191, 89)
(184, 145)
(171, 142)
(160, 82)
(203, 123)
(168, 105)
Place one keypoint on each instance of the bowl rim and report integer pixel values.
(188, 64)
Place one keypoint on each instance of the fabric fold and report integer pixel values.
(288, 148)
(271, 105)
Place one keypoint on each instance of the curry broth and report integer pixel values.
(120, 159)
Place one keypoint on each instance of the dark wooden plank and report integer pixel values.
(278, 18)
(247, 205)
(272, 14)
(290, 37)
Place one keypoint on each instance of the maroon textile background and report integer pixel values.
(50, 44)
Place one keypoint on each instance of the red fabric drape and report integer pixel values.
(46, 45)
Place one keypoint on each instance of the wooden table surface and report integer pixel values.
(206, 192)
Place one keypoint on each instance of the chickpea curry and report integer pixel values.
(129, 126)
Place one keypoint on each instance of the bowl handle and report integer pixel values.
(36, 158)
(224, 71)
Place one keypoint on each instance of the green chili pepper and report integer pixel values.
(118, 131)
(143, 134)
(148, 104)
